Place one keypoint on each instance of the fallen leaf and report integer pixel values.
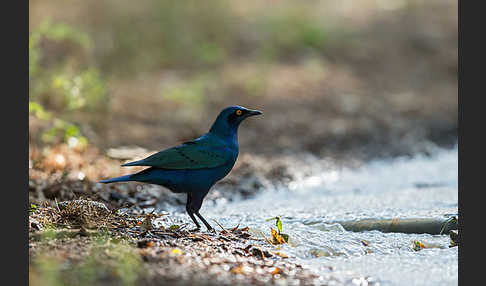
(147, 222)
(256, 251)
(418, 245)
(237, 270)
(275, 271)
(281, 254)
(235, 228)
(277, 238)
(176, 251)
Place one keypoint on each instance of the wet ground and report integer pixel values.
(417, 187)
(309, 200)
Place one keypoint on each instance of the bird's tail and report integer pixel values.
(117, 179)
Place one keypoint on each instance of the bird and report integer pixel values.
(196, 165)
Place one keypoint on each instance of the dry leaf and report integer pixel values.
(235, 228)
(275, 271)
(237, 270)
(277, 238)
(281, 254)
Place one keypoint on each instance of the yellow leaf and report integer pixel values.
(176, 251)
(277, 238)
(281, 254)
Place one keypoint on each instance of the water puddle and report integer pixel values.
(418, 187)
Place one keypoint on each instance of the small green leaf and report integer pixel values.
(174, 227)
(285, 237)
(33, 208)
(279, 224)
(37, 110)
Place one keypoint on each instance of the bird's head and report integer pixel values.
(230, 118)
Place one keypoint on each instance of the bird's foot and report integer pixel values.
(195, 229)
(211, 230)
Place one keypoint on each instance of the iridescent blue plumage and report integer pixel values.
(195, 166)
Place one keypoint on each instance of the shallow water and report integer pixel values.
(422, 186)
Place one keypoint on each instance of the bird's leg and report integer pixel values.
(190, 212)
(198, 227)
(208, 226)
(194, 205)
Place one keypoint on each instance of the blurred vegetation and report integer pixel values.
(57, 130)
(107, 259)
(68, 65)
(328, 75)
(62, 79)
(194, 34)
(188, 34)
(60, 74)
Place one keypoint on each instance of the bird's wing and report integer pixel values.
(197, 154)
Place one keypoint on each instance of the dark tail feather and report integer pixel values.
(117, 179)
(134, 163)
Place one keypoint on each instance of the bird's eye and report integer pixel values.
(239, 112)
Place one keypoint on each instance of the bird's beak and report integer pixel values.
(254, 112)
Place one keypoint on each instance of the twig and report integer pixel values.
(220, 225)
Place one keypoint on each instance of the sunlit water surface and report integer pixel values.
(422, 186)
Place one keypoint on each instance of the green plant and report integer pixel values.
(58, 130)
(114, 256)
(289, 34)
(62, 131)
(46, 270)
(61, 76)
(106, 257)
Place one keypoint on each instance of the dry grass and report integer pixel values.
(81, 242)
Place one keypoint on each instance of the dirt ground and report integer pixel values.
(91, 236)
(111, 242)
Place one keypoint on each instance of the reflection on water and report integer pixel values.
(422, 186)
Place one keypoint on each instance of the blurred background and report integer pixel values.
(367, 79)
